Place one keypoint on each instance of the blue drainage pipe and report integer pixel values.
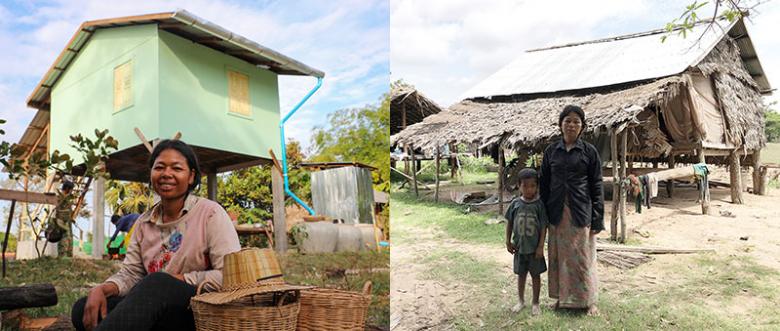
(284, 147)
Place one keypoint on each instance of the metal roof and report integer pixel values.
(616, 60)
(183, 24)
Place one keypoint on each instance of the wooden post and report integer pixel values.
(98, 225)
(670, 183)
(436, 175)
(211, 186)
(623, 193)
(757, 180)
(736, 178)
(705, 203)
(8, 233)
(501, 168)
(414, 171)
(615, 186)
(280, 227)
(453, 160)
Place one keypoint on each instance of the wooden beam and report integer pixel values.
(242, 165)
(279, 223)
(29, 197)
(615, 185)
(736, 178)
(414, 172)
(623, 192)
(670, 183)
(99, 221)
(211, 186)
(276, 163)
(176, 136)
(143, 139)
(409, 179)
(757, 180)
(501, 169)
(8, 232)
(436, 175)
(37, 141)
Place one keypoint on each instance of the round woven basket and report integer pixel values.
(329, 309)
(256, 312)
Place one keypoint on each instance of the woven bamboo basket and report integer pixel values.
(264, 312)
(329, 309)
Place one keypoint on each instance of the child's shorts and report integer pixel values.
(529, 263)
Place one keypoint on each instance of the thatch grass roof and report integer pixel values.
(413, 103)
(532, 123)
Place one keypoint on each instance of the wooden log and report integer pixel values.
(211, 186)
(651, 250)
(616, 186)
(436, 175)
(736, 178)
(757, 180)
(414, 171)
(670, 183)
(623, 193)
(28, 296)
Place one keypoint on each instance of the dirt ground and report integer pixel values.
(419, 303)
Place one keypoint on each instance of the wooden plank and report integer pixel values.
(736, 178)
(37, 141)
(98, 212)
(29, 197)
(277, 188)
(409, 178)
(8, 233)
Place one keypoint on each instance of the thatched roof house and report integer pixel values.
(687, 99)
(676, 97)
(408, 106)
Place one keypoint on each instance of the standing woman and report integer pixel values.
(572, 192)
(177, 244)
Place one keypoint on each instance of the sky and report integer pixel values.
(348, 40)
(445, 47)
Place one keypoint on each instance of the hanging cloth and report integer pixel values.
(701, 171)
(652, 181)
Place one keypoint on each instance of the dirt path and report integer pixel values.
(419, 303)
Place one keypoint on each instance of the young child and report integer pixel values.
(526, 229)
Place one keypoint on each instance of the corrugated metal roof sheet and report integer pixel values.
(613, 61)
(183, 24)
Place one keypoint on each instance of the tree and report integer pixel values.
(247, 192)
(729, 10)
(128, 197)
(772, 129)
(358, 135)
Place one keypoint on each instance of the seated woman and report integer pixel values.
(176, 245)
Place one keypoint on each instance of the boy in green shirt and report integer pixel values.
(526, 228)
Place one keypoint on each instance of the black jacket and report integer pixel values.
(575, 174)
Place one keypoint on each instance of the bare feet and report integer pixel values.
(535, 310)
(518, 307)
(593, 311)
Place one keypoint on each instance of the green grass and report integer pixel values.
(448, 217)
(771, 153)
(711, 285)
(73, 278)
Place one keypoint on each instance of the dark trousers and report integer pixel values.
(158, 302)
